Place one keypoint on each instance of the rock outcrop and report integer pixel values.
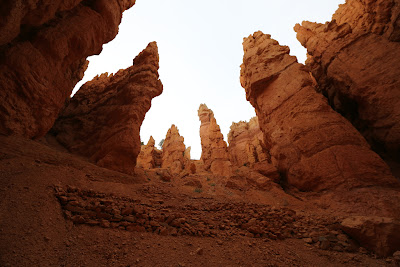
(245, 143)
(354, 59)
(173, 151)
(149, 157)
(102, 121)
(214, 152)
(312, 145)
(379, 234)
(43, 51)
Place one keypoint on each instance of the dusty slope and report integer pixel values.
(34, 232)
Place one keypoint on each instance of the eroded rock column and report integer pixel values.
(355, 59)
(103, 119)
(214, 153)
(313, 146)
(173, 151)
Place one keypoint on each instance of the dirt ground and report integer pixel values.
(57, 209)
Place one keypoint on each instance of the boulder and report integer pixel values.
(379, 234)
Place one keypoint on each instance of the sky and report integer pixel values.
(200, 47)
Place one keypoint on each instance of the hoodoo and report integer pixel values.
(102, 121)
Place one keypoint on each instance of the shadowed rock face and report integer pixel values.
(214, 152)
(103, 119)
(43, 51)
(354, 58)
(312, 145)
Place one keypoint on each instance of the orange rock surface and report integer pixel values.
(354, 59)
(173, 151)
(214, 153)
(43, 51)
(149, 156)
(245, 143)
(315, 147)
(103, 119)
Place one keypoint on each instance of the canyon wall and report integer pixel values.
(354, 59)
(43, 51)
(312, 146)
(102, 121)
(214, 151)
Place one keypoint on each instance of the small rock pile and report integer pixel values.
(213, 220)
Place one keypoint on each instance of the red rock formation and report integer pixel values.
(149, 156)
(43, 50)
(245, 143)
(214, 152)
(173, 151)
(354, 58)
(311, 144)
(103, 119)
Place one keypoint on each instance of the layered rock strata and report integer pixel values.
(312, 145)
(43, 51)
(102, 121)
(149, 157)
(354, 58)
(174, 149)
(214, 152)
(245, 143)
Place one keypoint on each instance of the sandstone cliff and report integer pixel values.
(103, 119)
(214, 152)
(315, 147)
(173, 151)
(43, 51)
(149, 156)
(245, 143)
(354, 58)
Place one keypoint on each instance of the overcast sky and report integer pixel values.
(200, 47)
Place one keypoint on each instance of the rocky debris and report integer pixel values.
(43, 51)
(214, 152)
(245, 143)
(315, 147)
(174, 149)
(379, 234)
(244, 177)
(354, 59)
(218, 220)
(102, 121)
(149, 157)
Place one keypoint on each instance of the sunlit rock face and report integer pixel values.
(312, 145)
(149, 156)
(355, 60)
(245, 143)
(102, 121)
(214, 152)
(174, 149)
(43, 51)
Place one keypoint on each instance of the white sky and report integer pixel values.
(200, 47)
